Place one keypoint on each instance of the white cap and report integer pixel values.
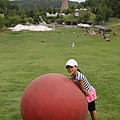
(71, 62)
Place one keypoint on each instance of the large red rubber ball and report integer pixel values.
(53, 97)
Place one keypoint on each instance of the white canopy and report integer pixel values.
(20, 27)
(83, 25)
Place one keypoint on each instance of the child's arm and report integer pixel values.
(81, 86)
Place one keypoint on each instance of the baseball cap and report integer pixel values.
(71, 62)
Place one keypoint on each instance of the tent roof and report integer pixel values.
(101, 27)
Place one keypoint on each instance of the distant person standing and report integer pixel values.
(81, 81)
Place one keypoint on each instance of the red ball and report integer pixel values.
(43, 41)
(53, 97)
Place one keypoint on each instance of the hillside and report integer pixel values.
(72, 17)
(37, 3)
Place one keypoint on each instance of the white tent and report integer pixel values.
(18, 27)
(84, 25)
(21, 27)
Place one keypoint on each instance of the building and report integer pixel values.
(64, 5)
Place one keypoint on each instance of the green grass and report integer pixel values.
(113, 25)
(23, 57)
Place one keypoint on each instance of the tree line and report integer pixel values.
(15, 14)
(103, 9)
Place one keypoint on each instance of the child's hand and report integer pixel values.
(86, 93)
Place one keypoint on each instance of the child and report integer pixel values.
(83, 84)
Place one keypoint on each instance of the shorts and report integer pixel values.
(92, 95)
(91, 106)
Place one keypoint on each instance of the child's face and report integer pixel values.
(72, 70)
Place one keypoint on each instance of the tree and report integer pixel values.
(50, 10)
(98, 19)
(29, 19)
(36, 18)
(79, 6)
(109, 14)
(1, 22)
(104, 9)
(1, 10)
(54, 10)
(14, 20)
(68, 11)
(60, 20)
(104, 12)
(80, 19)
(86, 17)
(30, 13)
(23, 18)
(117, 10)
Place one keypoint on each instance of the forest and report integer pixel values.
(22, 11)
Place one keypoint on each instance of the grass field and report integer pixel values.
(23, 57)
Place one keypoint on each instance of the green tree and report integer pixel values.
(80, 19)
(29, 19)
(36, 17)
(14, 20)
(23, 18)
(99, 19)
(79, 6)
(50, 10)
(61, 19)
(1, 10)
(30, 13)
(104, 8)
(117, 10)
(54, 11)
(86, 17)
(1, 22)
(68, 11)
(109, 14)
(3, 3)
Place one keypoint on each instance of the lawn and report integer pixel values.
(23, 57)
